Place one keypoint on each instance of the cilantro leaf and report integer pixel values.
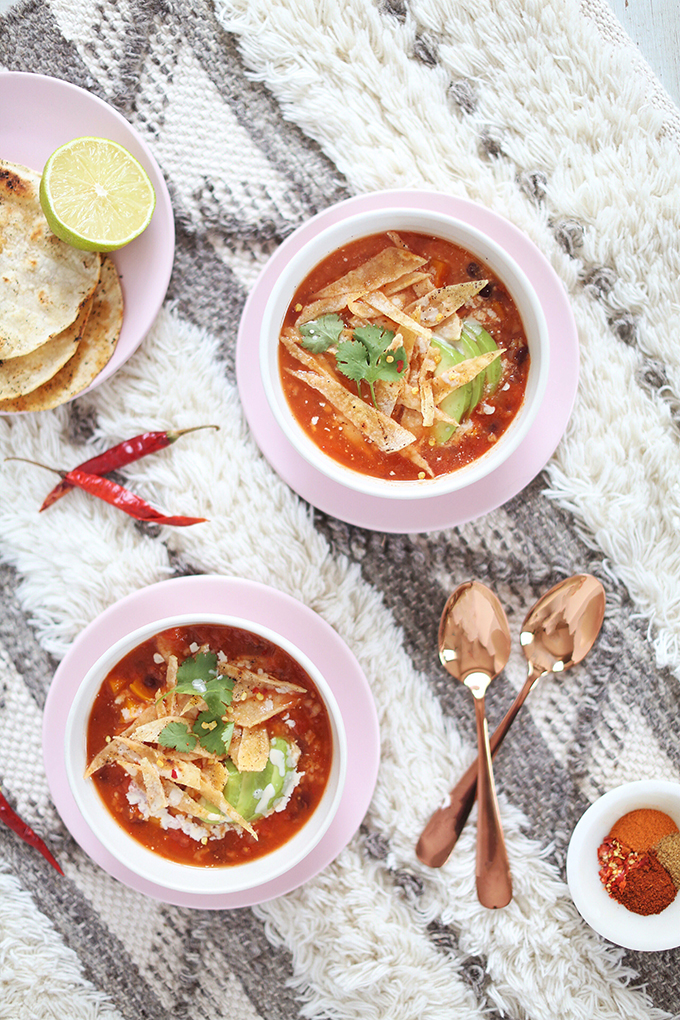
(177, 735)
(321, 333)
(367, 357)
(214, 734)
(195, 672)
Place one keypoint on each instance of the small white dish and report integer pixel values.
(403, 216)
(152, 867)
(608, 917)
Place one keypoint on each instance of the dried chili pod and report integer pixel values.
(123, 453)
(12, 820)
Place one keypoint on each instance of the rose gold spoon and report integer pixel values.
(474, 646)
(558, 632)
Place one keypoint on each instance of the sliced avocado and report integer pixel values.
(241, 787)
(486, 343)
(468, 346)
(457, 403)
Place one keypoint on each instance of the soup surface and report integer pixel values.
(209, 744)
(403, 356)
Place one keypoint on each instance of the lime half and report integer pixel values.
(95, 194)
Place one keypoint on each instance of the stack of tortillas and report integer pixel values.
(61, 309)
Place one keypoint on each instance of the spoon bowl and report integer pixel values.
(558, 632)
(474, 646)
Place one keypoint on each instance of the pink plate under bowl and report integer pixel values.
(260, 605)
(439, 511)
(39, 114)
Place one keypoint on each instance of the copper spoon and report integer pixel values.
(474, 646)
(558, 632)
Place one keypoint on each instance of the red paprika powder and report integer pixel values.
(630, 868)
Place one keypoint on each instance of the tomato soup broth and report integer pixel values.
(443, 265)
(137, 683)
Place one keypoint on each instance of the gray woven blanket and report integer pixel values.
(260, 114)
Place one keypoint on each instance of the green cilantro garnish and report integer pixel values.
(214, 734)
(198, 675)
(364, 358)
(177, 735)
(320, 334)
(367, 358)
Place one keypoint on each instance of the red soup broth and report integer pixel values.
(493, 308)
(138, 679)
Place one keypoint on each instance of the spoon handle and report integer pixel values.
(441, 833)
(494, 884)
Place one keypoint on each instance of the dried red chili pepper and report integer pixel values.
(121, 454)
(118, 496)
(25, 832)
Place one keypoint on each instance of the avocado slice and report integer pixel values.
(458, 402)
(486, 343)
(241, 787)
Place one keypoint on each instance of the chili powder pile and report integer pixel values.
(639, 861)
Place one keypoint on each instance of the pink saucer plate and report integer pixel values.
(260, 604)
(41, 113)
(442, 511)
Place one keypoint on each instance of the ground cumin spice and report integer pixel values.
(634, 861)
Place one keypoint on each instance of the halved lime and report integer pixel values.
(95, 195)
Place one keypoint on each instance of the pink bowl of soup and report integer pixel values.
(404, 353)
(206, 753)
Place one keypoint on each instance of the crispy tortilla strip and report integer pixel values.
(247, 680)
(461, 374)
(386, 433)
(376, 299)
(253, 749)
(408, 280)
(44, 282)
(155, 794)
(433, 308)
(386, 266)
(216, 774)
(252, 711)
(149, 732)
(93, 353)
(325, 306)
(27, 372)
(291, 342)
(188, 806)
(411, 453)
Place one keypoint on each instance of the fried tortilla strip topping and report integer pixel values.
(252, 711)
(457, 376)
(440, 304)
(387, 434)
(253, 749)
(386, 266)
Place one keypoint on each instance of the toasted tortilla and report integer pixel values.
(387, 434)
(438, 305)
(44, 282)
(252, 753)
(28, 371)
(461, 374)
(385, 267)
(94, 350)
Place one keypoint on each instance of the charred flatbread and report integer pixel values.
(94, 350)
(43, 281)
(29, 371)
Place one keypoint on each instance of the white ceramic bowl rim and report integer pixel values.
(488, 251)
(611, 919)
(152, 866)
